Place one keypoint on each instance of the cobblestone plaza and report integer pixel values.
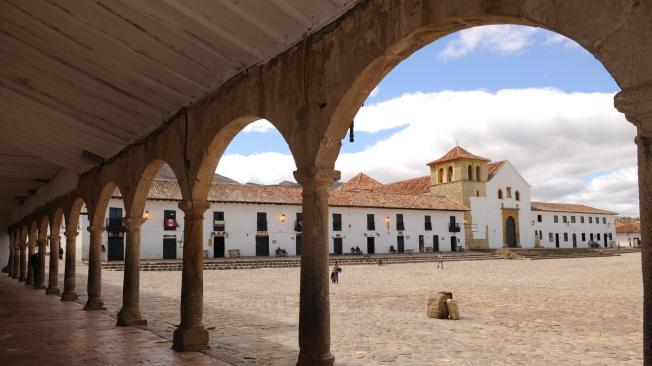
(584, 311)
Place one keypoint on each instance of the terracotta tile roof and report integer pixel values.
(568, 207)
(494, 167)
(163, 189)
(412, 186)
(457, 153)
(360, 182)
(631, 227)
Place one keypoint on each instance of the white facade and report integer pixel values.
(574, 230)
(240, 232)
(628, 240)
(486, 211)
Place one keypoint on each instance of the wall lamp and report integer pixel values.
(146, 215)
(282, 218)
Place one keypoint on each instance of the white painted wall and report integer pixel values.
(4, 241)
(487, 210)
(628, 240)
(548, 226)
(240, 228)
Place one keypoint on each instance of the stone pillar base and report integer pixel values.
(130, 318)
(69, 296)
(39, 287)
(94, 304)
(316, 359)
(53, 291)
(190, 339)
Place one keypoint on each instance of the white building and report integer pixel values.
(466, 202)
(629, 235)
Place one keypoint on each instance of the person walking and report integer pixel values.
(440, 261)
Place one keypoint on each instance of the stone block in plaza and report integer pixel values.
(437, 307)
(453, 310)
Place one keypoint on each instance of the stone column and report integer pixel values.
(39, 277)
(30, 273)
(636, 103)
(23, 263)
(314, 303)
(53, 279)
(191, 335)
(15, 274)
(10, 262)
(69, 291)
(94, 301)
(130, 312)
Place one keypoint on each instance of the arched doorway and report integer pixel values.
(510, 232)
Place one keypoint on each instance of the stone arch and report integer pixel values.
(216, 148)
(57, 221)
(135, 204)
(74, 212)
(477, 173)
(450, 174)
(97, 213)
(469, 172)
(376, 44)
(44, 226)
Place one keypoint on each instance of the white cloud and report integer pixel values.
(558, 39)
(555, 139)
(262, 168)
(261, 125)
(506, 39)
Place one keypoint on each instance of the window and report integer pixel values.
(598, 236)
(590, 219)
(298, 223)
(604, 220)
(581, 219)
(477, 173)
(550, 237)
(539, 218)
(565, 236)
(218, 221)
(399, 222)
(591, 236)
(261, 221)
(440, 178)
(428, 223)
(556, 219)
(169, 220)
(508, 192)
(597, 220)
(450, 173)
(500, 194)
(540, 235)
(371, 222)
(337, 222)
(564, 219)
(114, 222)
(518, 196)
(572, 219)
(583, 236)
(469, 172)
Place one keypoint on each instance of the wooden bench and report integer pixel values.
(234, 253)
(409, 251)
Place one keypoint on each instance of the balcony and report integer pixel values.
(453, 227)
(115, 225)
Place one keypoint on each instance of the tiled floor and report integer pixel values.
(36, 329)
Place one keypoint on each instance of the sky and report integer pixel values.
(503, 92)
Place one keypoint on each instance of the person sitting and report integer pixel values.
(357, 250)
(391, 249)
(281, 252)
(352, 250)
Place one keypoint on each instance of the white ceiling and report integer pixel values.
(98, 75)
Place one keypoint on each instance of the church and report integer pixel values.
(466, 202)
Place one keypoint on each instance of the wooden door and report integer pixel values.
(170, 248)
(218, 247)
(371, 245)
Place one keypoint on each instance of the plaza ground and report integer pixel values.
(585, 311)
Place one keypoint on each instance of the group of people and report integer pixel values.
(281, 252)
(33, 263)
(356, 250)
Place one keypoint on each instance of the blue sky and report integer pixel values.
(570, 94)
